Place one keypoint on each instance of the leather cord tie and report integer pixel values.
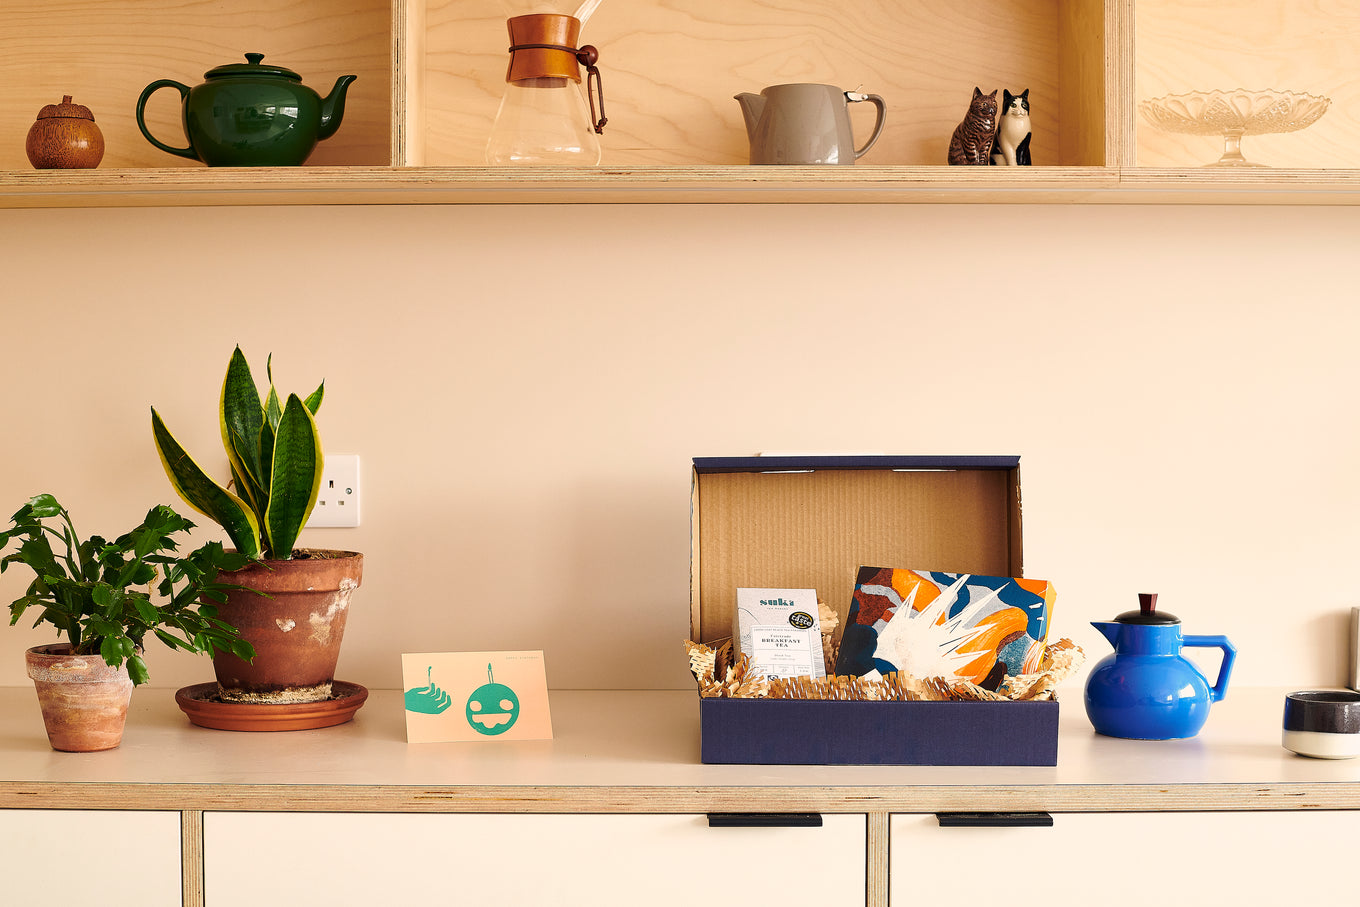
(587, 56)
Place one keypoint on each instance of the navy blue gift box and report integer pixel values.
(810, 523)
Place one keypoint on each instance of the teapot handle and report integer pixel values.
(141, 122)
(878, 123)
(1225, 669)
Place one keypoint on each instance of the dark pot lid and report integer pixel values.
(1323, 711)
(252, 67)
(66, 109)
(1147, 612)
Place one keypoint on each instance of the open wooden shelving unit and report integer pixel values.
(431, 75)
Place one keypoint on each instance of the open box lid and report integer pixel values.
(811, 522)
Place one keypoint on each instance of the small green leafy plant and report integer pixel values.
(90, 591)
(276, 461)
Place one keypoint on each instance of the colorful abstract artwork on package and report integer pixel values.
(951, 625)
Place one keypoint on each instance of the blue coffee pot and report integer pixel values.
(1147, 690)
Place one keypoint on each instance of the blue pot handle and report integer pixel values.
(1225, 669)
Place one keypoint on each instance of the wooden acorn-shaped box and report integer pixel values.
(64, 137)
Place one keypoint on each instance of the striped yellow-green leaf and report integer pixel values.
(273, 412)
(295, 478)
(200, 492)
(314, 400)
(242, 418)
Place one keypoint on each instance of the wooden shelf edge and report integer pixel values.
(175, 187)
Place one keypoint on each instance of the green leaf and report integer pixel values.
(154, 532)
(137, 670)
(36, 552)
(273, 410)
(111, 651)
(314, 401)
(63, 624)
(20, 605)
(203, 494)
(249, 492)
(296, 477)
(100, 626)
(43, 506)
(241, 418)
(173, 642)
(148, 612)
(217, 557)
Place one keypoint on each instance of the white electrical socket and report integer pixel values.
(337, 503)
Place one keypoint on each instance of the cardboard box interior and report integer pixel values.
(812, 529)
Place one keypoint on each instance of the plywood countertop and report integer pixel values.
(639, 752)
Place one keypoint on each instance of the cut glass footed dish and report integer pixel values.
(1233, 114)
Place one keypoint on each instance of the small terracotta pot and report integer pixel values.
(84, 701)
(296, 627)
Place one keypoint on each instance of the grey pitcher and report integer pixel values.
(805, 123)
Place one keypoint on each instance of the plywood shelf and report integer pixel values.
(431, 75)
(176, 187)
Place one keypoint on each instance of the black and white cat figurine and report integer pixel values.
(1011, 147)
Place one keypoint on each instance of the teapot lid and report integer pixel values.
(1147, 612)
(66, 109)
(252, 67)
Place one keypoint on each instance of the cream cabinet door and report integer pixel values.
(1119, 859)
(110, 857)
(624, 860)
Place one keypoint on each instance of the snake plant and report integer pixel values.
(275, 456)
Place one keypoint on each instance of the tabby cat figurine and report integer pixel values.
(973, 139)
(1013, 132)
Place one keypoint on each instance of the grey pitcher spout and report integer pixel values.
(333, 107)
(1110, 630)
(751, 107)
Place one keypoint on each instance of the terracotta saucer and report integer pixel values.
(196, 701)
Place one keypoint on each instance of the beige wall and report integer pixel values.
(526, 386)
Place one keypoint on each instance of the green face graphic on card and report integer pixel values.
(493, 708)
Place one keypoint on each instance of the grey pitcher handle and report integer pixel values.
(878, 124)
(187, 151)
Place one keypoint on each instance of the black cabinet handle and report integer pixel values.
(995, 820)
(764, 820)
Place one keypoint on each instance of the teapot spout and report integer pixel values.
(751, 107)
(1109, 629)
(333, 107)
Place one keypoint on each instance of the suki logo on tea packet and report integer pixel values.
(958, 626)
(779, 631)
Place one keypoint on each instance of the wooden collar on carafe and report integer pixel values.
(543, 46)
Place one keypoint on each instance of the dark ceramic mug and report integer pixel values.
(1324, 724)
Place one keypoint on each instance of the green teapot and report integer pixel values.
(251, 115)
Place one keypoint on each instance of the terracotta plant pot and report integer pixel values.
(84, 701)
(296, 626)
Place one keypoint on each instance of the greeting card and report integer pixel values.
(471, 696)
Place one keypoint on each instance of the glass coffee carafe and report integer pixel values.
(544, 119)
